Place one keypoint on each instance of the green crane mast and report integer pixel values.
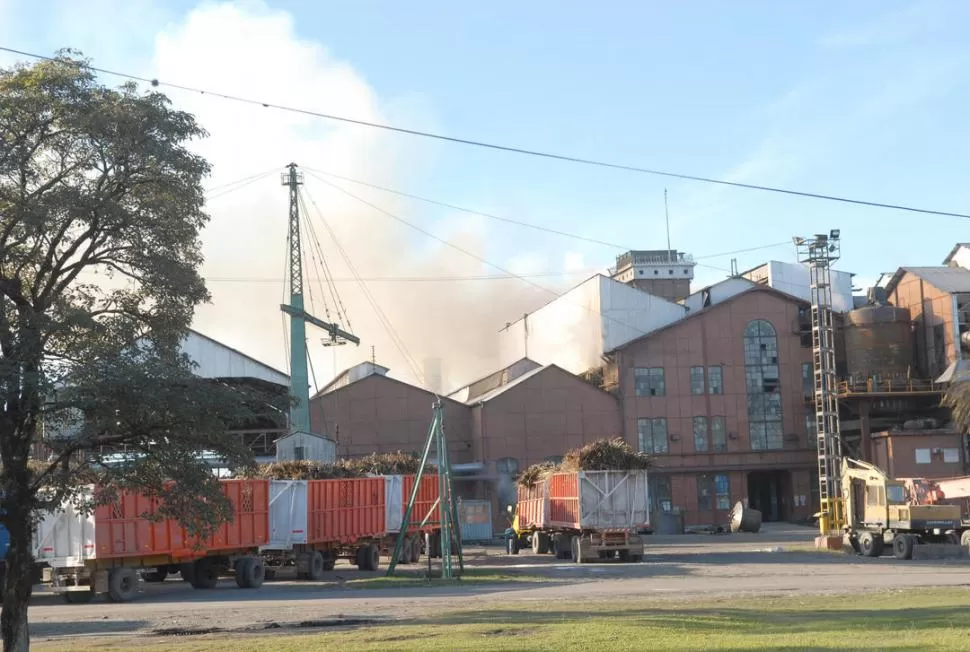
(299, 317)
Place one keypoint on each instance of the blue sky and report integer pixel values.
(864, 99)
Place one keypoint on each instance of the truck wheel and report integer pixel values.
(577, 545)
(187, 571)
(329, 560)
(315, 564)
(250, 573)
(415, 550)
(157, 575)
(871, 544)
(903, 546)
(122, 584)
(372, 557)
(512, 545)
(78, 597)
(204, 574)
(965, 539)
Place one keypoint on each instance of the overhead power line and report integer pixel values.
(503, 148)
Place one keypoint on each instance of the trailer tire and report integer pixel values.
(204, 574)
(512, 545)
(329, 560)
(122, 584)
(405, 557)
(415, 550)
(577, 548)
(903, 545)
(79, 597)
(315, 566)
(871, 544)
(372, 557)
(157, 575)
(965, 539)
(250, 573)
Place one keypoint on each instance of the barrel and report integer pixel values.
(745, 519)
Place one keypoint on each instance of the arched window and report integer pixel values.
(507, 466)
(763, 386)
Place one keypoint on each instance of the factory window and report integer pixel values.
(763, 386)
(922, 455)
(659, 486)
(715, 380)
(507, 466)
(811, 428)
(951, 455)
(808, 380)
(718, 434)
(298, 453)
(705, 493)
(649, 382)
(697, 380)
(700, 434)
(722, 487)
(652, 435)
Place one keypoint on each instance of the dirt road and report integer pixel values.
(677, 568)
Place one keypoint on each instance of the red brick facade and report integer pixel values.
(699, 424)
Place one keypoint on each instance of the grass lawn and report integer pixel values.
(890, 620)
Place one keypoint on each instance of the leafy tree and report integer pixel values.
(101, 209)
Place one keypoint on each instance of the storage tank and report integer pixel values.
(878, 340)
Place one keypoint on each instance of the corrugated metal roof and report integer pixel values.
(947, 279)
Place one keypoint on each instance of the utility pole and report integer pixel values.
(299, 378)
(819, 253)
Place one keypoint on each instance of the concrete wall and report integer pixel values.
(795, 279)
(919, 454)
(714, 337)
(380, 414)
(932, 312)
(575, 330)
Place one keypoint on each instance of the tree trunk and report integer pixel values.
(18, 583)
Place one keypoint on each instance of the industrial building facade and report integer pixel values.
(718, 398)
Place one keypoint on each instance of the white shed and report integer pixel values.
(306, 446)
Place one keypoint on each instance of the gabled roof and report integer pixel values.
(953, 252)
(361, 370)
(233, 363)
(953, 280)
(471, 391)
(693, 315)
(499, 391)
(383, 379)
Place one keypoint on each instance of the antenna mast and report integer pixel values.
(667, 218)
(299, 378)
(819, 253)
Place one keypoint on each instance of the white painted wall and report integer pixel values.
(719, 292)
(795, 279)
(961, 258)
(575, 330)
(216, 360)
(315, 447)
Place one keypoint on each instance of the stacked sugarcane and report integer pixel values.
(603, 455)
(398, 463)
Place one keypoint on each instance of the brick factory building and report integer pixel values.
(496, 426)
(718, 397)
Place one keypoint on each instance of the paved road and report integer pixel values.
(677, 568)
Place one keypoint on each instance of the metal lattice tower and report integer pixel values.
(819, 253)
(447, 502)
(299, 376)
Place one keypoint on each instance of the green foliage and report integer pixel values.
(101, 210)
